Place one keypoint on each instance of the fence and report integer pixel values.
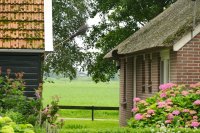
(92, 108)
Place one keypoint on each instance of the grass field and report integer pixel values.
(83, 92)
(88, 126)
(111, 127)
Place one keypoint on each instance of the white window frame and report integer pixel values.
(164, 54)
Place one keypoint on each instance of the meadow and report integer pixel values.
(83, 92)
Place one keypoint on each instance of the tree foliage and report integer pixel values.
(119, 19)
(68, 16)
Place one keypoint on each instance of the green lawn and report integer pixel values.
(85, 126)
(83, 92)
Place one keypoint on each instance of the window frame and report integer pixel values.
(164, 66)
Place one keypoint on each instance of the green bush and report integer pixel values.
(174, 106)
(8, 126)
(15, 116)
(14, 103)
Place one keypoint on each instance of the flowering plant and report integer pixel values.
(12, 98)
(174, 105)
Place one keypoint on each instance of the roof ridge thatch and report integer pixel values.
(162, 31)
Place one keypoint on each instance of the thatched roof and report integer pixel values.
(162, 31)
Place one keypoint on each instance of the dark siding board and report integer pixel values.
(18, 63)
(31, 75)
(29, 93)
(31, 82)
(19, 57)
(19, 69)
(28, 63)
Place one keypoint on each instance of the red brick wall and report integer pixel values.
(122, 110)
(125, 110)
(185, 67)
(139, 77)
(155, 72)
(155, 78)
(173, 66)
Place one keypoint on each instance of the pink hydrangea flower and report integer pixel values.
(168, 107)
(169, 102)
(150, 111)
(148, 116)
(161, 104)
(143, 102)
(168, 121)
(184, 93)
(195, 117)
(138, 116)
(163, 95)
(197, 102)
(170, 116)
(173, 95)
(186, 111)
(198, 92)
(135, 109)
(136, 99)
(176, 112)
(192, 112)
(195, 85)
(195, 124)
(166, 86)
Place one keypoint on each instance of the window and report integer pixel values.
(146, 73)
(164, 67)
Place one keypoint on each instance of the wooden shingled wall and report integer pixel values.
(22, 24)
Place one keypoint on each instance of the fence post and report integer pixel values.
(92, 113)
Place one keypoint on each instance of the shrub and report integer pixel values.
(48, 117)
(49, 113)
(16, 116)
(22, 109)
(8, 126)
(12, 98)
(174, 106)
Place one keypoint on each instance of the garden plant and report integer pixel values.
(175, 106)
(8, 126)
(21, 110)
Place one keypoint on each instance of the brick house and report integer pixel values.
(167, 49)
(25, 35)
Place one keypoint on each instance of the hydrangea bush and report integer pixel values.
(174, 106)
(8, 126)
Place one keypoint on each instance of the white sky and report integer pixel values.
(94, 21)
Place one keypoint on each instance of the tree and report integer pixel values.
(120, 19)
(68, 16)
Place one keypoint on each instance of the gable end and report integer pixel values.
(183, 41)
